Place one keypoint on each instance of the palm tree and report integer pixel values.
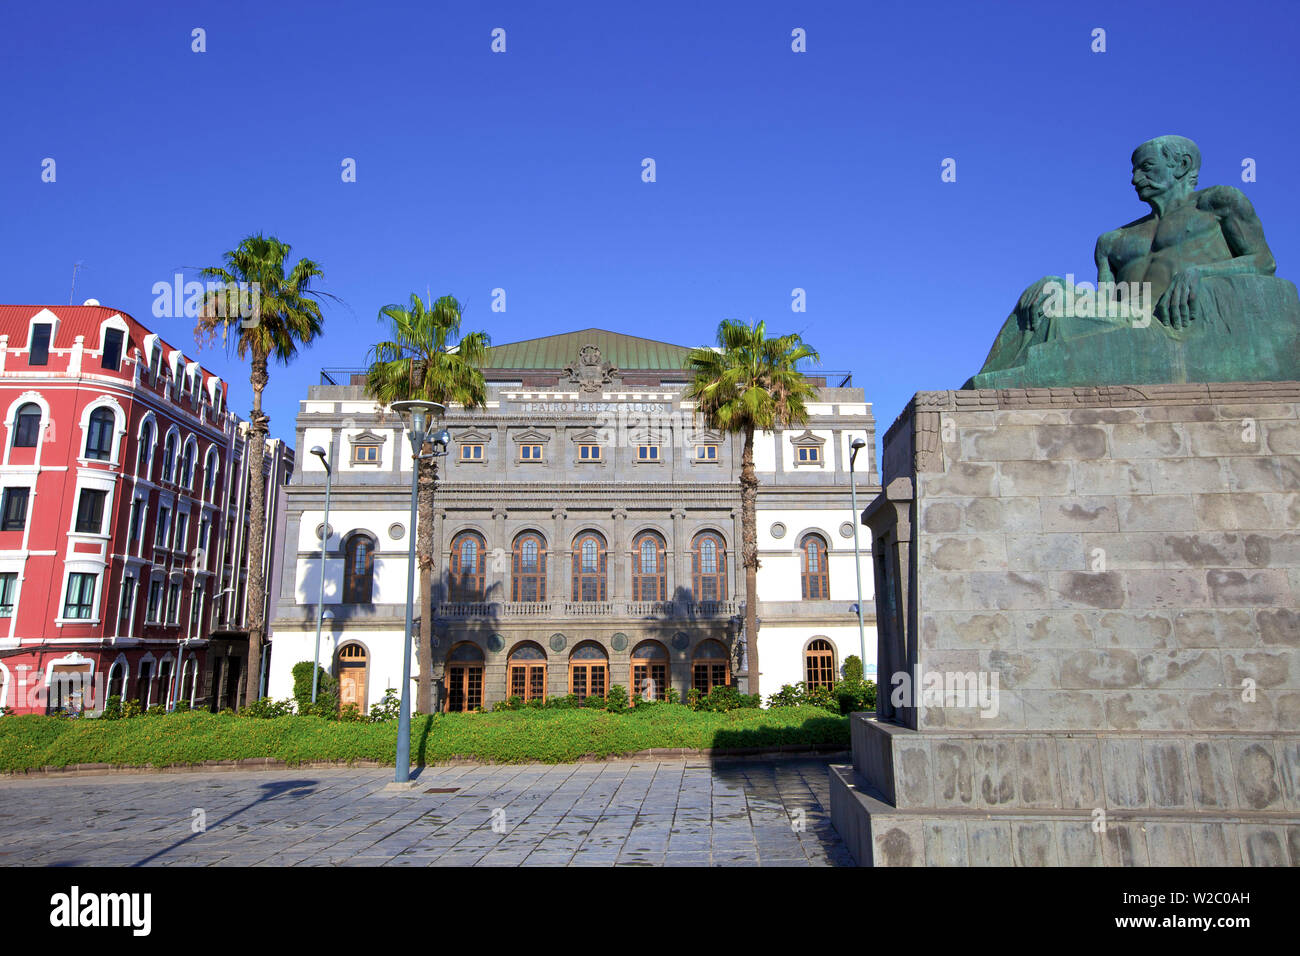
(427, 358)
(285, 315)
(749, 383)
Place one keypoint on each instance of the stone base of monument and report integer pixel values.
(1094, 594)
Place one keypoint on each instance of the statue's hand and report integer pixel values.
(1029, 310)
(1178, 306)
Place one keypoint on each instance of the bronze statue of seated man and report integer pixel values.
(1184, 294)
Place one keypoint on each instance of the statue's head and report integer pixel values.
(1165, 165)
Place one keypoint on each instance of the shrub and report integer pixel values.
(672, 697)
(156, 710)
(131, 708)
(790, 695)
(327, 688)
(266, 708)
(721, 699)
(693, 699)
(112, 708)
(594, 702)
(562, 703)
(853, 669)
(616, 700)
(390, 708)
(349, 713)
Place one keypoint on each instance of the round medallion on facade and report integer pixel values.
(778, 529)
(320, 528)
(618, 642)
(557, 642)
(846, 530)
(681, 640)
(396, 531)
(496, 643)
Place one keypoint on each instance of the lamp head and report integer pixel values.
(319, 452)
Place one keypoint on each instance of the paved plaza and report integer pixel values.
(624, 813)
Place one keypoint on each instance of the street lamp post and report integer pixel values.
(319, 452)
(856, 446)
(419, 430)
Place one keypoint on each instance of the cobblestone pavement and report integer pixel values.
(624, 813)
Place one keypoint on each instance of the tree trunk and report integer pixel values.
(749, 553)
(424, 547)
(255, 605)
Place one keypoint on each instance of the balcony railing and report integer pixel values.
(478, 610)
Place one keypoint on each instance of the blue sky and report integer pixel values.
(522, 171)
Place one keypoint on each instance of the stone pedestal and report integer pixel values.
(1089, 633)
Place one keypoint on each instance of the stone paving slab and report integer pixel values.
(651, 812)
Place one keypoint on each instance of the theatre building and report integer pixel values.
(586, 534)
(122, 511)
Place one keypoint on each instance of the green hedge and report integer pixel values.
(549, 736)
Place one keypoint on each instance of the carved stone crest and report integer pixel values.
(590, 372)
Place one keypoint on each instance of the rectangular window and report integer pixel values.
(530, 452)
(365, 454)
(647, 452)
(196, 611)
(173, 602)
(809, 455)
(13, 511)
(182, 531)
(164, 526)
(589, 453)
(40, 352)
(112, 357)
(471, 452)
(124, 609)
(706, 452)
(90, 511)
(81, 596)
(8, 589)
(154, 612)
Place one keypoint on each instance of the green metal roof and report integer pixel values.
(558, 351)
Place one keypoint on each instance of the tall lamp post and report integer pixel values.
(319, 452)
(421, 419)
(856, 446)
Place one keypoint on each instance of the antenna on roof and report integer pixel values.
(73, 293)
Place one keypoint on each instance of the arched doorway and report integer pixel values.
(527, 670)
(464, 679)
(354, 676)
(710, 667)
(649, 671)
(588, 671)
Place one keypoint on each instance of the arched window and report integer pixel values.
(527, 670)
(819, 664)
(144, 454)
(210, 474)
(649, 671)
(169, 460)
(816, 578)
(27, 426)
(464, 680)
(649, 582)
(468, 564)
(588, 671)
(710, 666)
(709, 567)
(187, 466)
(528, 573)
(359, 569)
(99, 434)
(589, 559)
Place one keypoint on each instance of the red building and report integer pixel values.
(119, 521)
